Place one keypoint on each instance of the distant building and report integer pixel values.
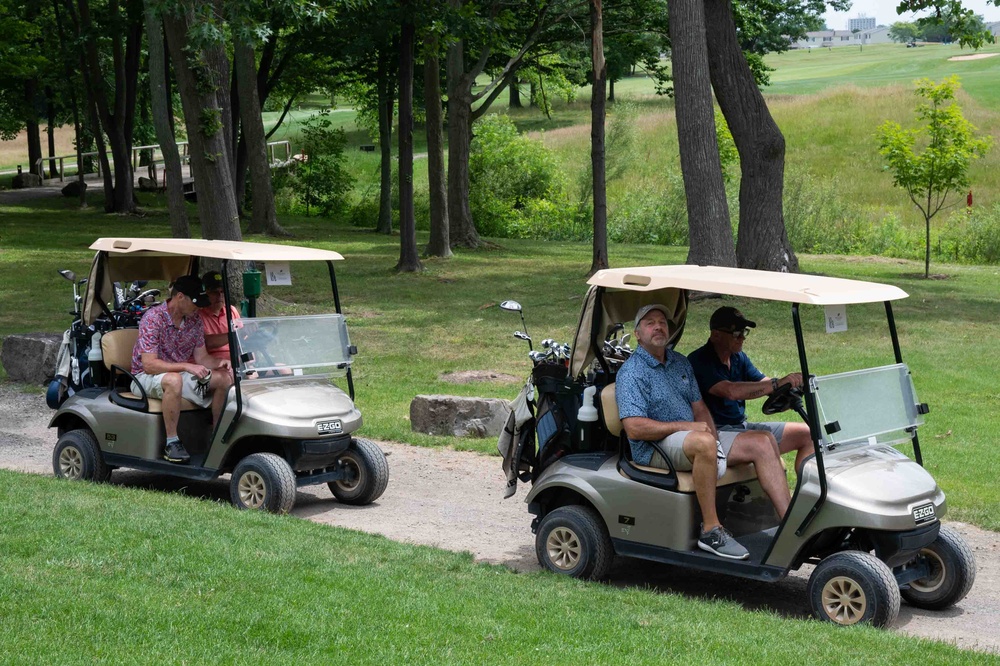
(832, 38)
(994, 28)
(861, 23)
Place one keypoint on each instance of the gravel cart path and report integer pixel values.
(453, 500)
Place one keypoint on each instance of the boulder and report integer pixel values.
(30, 357)
(25, 179)
(147, 184)
(72, 188)
(458, 416)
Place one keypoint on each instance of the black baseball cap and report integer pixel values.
(211, 280)
(728, 318)
(190, 286)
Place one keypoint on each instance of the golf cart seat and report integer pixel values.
(116, 347)
(685, 480)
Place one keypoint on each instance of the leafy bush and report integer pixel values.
(972, 237)
(324, 180)
(516, 187)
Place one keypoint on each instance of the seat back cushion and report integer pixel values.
(116, 346)
(609, 410)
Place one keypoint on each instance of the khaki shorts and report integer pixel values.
(191, 389)
(673, 446)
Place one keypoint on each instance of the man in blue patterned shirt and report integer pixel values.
(659, 401)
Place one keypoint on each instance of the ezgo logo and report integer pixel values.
(329, 427)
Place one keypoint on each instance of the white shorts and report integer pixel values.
(192, 389)
(673, 446)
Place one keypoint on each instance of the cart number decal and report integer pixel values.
(626, 520)
(923, 513)
(329, 427)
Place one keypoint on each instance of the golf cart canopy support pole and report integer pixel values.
(233, 347)
(336, 303)
(813, 421)
(899, 359)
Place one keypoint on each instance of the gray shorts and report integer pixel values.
(776, 428)
(673, 446)
(191, 389)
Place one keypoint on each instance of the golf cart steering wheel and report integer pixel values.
(785, 397)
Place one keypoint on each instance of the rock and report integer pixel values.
(454, 415)
(24, 179)
(30, 357)
(72, 188)
(147, 184)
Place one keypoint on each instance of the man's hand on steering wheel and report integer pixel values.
(793, 378)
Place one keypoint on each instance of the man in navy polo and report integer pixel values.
(727, 379)
(659, 402)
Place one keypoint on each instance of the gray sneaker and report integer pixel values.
(719, 541)
(174, 452)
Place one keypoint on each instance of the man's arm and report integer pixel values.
(216, 340)
(751, 390)
(206, 360)
(651, 430)
(152, 364)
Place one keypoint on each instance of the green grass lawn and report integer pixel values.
(104, 574)
(412, 328)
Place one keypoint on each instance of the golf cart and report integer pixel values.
(285, 423)
(865, 514)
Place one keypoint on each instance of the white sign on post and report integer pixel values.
(836, 318)
(278, 273)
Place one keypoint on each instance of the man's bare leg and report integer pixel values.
(759, 447)
(796, 438)
(221, 381)
(171, 384)
(699, 447)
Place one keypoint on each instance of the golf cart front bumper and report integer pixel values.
(306, 455)
(896, 548)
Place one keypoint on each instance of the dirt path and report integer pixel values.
(453, 500)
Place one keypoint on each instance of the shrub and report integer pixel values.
(972, 237)
(516, 187)
(324, 178)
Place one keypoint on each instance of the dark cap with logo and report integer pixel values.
(211, 280)
(190, 286)
(728, 318)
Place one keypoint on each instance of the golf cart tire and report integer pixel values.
(368, 472)
(573, 541)
(78, 458)
(953, 571)
(263, 481)
(854, 587)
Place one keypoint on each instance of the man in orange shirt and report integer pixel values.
(213, 317)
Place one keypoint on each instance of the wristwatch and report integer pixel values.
(774, 384)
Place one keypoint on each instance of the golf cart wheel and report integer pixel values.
(367, 474)
(263, 481)
(854, 588)
(573, 540)
(78, 458)
(953, 570)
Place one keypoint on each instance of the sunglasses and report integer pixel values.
(738, 333)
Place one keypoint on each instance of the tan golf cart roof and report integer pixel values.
(216, 249)
(768, 285)
(628, 289)
(126, 259)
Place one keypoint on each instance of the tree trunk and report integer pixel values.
(461, 229)
(711, 238)
(205, 120)
(514, 101)
(440, 243)
(263, 218)
(597, 115)
(50, 110)
(31, 128)
(611, 90)
(386, 104)
(762, 242)
(162, 108)
(409, 261)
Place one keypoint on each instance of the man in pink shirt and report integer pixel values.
(169, 360)
(213, 317)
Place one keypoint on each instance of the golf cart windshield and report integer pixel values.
(314, 344)
(873, 405)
